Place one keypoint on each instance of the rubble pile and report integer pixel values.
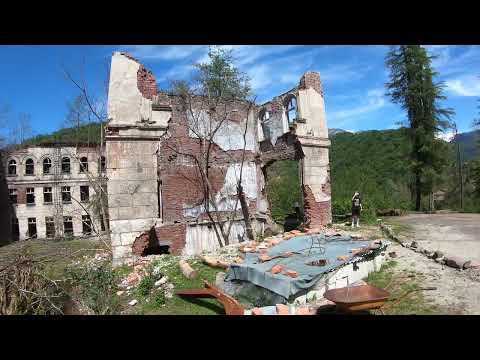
(153, 266)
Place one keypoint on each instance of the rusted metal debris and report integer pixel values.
(232, 306)
(356, 298)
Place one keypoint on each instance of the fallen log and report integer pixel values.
(211, 261)
(187, 270)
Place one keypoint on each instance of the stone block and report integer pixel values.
(120, 200)
(145, 199)
(127, 239)
(120, 226)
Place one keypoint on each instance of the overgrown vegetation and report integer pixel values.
(94, 283)
(25, 290)
(283, 188)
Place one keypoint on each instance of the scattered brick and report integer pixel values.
(276, 269)
(291, 273)
(257, 311)
(282, 309)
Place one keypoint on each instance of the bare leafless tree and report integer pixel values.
(86, 109)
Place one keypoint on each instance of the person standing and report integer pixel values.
(356, 209)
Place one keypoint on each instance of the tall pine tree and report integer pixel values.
(412, 86)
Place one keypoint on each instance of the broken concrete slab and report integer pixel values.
(455, 262)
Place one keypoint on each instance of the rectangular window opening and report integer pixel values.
(47, 195)
(32, 228)
(15, 229)
(86, 225)
(13, 195)
(30, 196)
(50, 227)
(66, 195)
(84, 193)
(67, 226)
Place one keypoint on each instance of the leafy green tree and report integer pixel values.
(412, 86)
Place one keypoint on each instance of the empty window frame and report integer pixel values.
(30, 196)
(84, 193)
(12, 167)
(67, 226)
(66, 195)
(13, 195)
(66, 165)
(102, 224)
(264, 120)
(15, 229)
(29, 167)
(47, 195)
(83, 164)
(291, 109)
(47, 166)
(49, 227)
(86, 225)
(103, 164)
(32, 227)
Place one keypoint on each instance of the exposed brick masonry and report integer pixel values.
(311, 79)
(317, 213)
(146, 83)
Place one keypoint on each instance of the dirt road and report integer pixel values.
(458, 292)
(454, 234)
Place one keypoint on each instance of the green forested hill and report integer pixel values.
(89, 133)
(375, 163)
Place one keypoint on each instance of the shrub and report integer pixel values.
(145, 286)
(95, 284)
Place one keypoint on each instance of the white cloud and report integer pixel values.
(375, 101)
(447, 136)
(454, 59)
(164, 52)
(464, 86)
(260, 76)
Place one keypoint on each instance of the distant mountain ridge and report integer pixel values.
(469, 144)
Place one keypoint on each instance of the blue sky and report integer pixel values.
(353, 78)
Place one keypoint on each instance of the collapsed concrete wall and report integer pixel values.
(154, 181)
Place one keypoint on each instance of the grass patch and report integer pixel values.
(400, 229)
(399, 285)
(157, 304)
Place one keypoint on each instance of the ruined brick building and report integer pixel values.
(152, 187)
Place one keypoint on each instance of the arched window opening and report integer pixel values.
(84, 164)
(291, 109)
(264, 121)
(12, 167)
(47, 165)
(29, 167)
(66, 165)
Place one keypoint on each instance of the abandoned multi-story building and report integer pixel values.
(50, 192)
(154, 193)
(153, 182)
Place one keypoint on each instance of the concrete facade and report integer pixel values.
(32, 179)
(151, 143)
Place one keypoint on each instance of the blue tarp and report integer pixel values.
(310, 248)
